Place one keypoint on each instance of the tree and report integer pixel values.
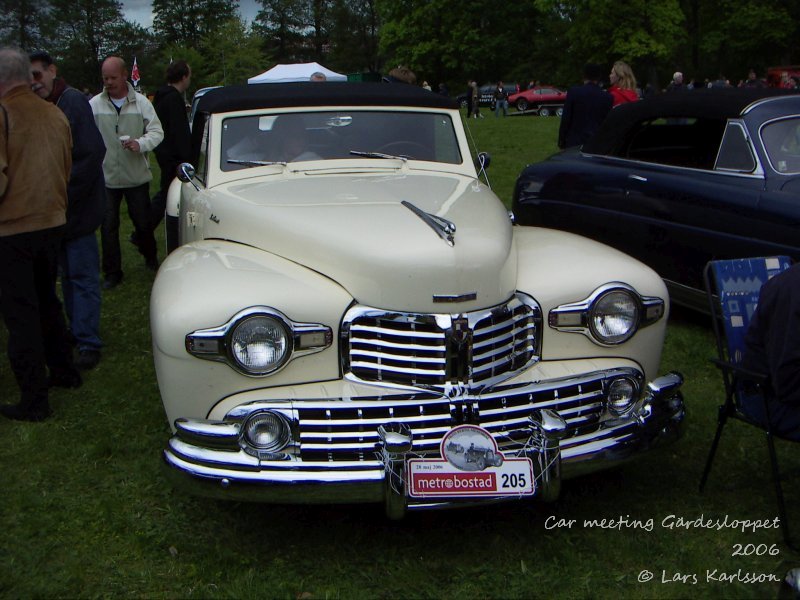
(231, 54)
(190, 21)
(281, 23)
(646, 33)
(87, 31)
(354, 36)
(23, 23)
(443, 40)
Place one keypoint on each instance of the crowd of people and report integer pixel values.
(66, 164)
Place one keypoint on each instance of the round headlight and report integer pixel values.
(621, 395)
(260, 344)
(267, 430)
(614, 317)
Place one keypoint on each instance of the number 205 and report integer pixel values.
(513, 480)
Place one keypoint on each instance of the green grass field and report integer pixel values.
(86, 512)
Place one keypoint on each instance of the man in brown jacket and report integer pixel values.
(35, 161)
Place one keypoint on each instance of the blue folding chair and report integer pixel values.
(733, 288)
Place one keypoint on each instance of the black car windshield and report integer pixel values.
(782, 143)
(294, 137)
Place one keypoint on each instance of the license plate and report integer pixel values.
(472, 467)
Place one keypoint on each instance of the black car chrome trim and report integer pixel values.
(214, 343)
(574, 317)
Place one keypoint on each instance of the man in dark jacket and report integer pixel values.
(585, 107)
(772, 348)
(176, 148)
(79, 257)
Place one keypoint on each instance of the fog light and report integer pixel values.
(622, 394)
(267, 430)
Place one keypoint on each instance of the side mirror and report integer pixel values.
(185, 172)
(482, 161)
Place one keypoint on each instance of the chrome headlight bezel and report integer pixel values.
(217, 343)
(283, 436)
(580, 317)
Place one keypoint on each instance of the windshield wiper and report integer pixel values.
(256, 163)
(377, 155)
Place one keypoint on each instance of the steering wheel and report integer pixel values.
(404, 148)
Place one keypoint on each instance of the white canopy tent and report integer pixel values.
(295, 72)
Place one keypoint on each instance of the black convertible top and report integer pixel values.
(333, 93)
(329, 93)
(720, 104)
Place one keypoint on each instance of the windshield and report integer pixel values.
(782, 143)
(293, 137)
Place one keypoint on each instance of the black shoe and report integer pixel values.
(66, 379)
(17, 413)
(151, 264)
(134, 239)
(87, 359)
(112, 281)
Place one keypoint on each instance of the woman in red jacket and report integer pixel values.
(623, 83)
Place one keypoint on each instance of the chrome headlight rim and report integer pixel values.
(257, 418)
(279, 323)
(594, 315)
(618, 410)
(577, 317)
(215, 343)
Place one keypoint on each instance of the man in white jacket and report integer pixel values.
(130, 129)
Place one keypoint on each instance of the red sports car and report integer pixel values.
(549, 100)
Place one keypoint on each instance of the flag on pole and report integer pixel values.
(135, 73)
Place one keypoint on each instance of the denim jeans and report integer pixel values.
(138, 201)
(80, 284)
(501, 104)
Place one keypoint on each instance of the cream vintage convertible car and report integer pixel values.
(347, 306)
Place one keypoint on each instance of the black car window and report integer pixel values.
(735, 153)
(782, 142)
(677, 141)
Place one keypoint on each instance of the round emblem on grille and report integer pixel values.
(470, 448)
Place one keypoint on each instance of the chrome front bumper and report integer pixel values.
(562, 426)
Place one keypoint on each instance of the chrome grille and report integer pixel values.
(433, 350)
(347, 430)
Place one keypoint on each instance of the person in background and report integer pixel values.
(130, 128)
(426, 86)
(676, 85)
(500, 100)
(585, 107)
(476, 101)
(401, 74)
(318, 76)
(752, 81)
(79, 257)
(623, 84)
(35, 163)
(469, 98)
(176, 148)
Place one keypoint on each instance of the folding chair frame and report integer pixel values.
(734, 375)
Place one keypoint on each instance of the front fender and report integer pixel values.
(203, 285)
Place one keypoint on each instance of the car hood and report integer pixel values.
(356, 230)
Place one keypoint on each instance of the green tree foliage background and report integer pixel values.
(443, 41)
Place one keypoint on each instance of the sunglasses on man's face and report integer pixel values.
(37, 75)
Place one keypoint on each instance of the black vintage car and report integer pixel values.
(679, 179)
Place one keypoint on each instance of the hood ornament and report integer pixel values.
(444, 229)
